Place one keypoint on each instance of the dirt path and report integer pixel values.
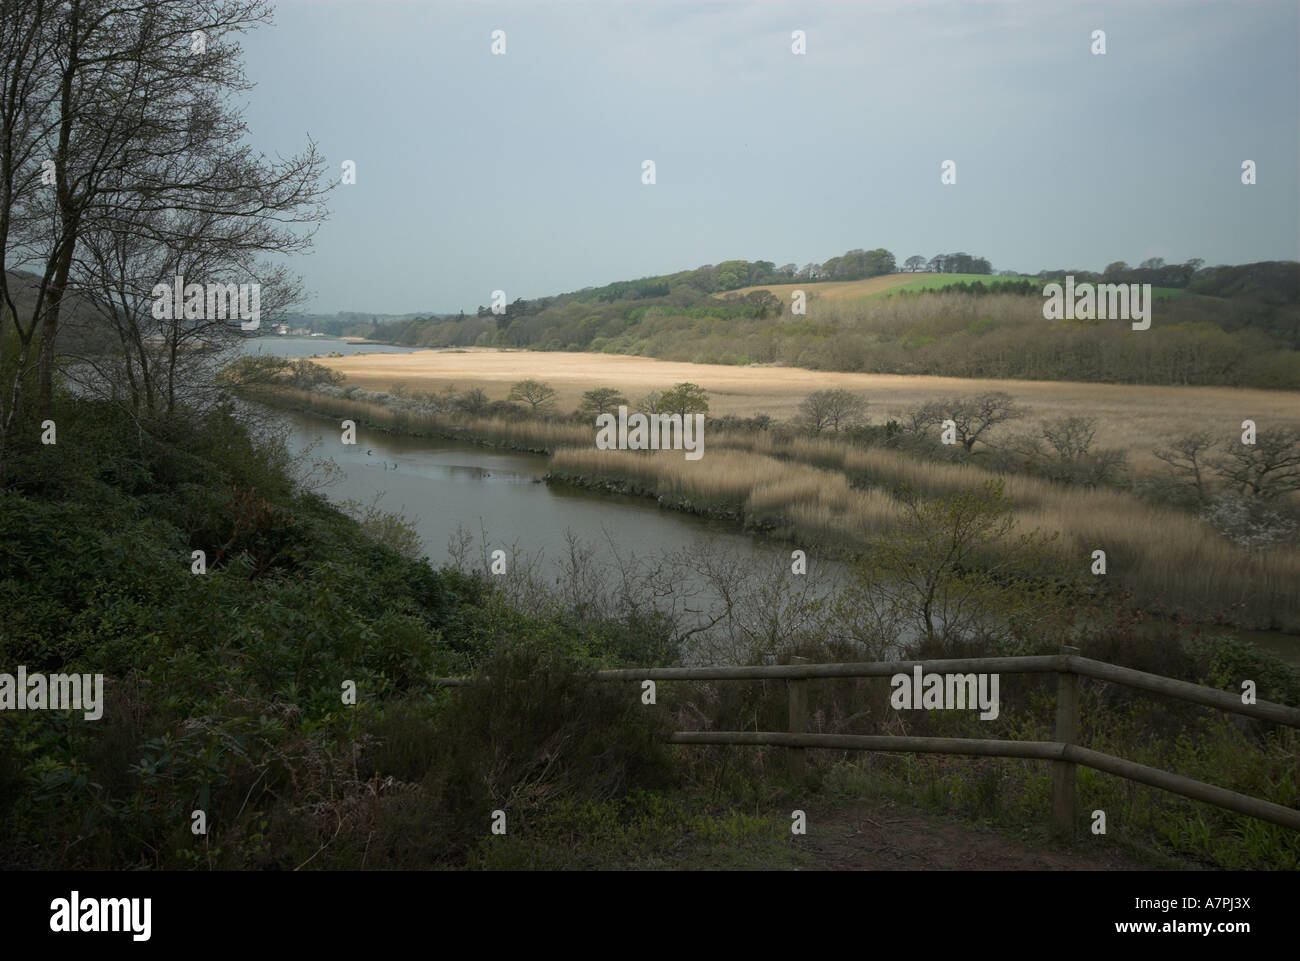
(886, 836)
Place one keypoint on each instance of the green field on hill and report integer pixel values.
(940, 281)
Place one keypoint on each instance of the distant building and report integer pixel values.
(282, 328)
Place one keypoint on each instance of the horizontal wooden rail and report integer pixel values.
(1039, 664)
(983, 747)
(1034, 750)
(1183, 690)
(793, 672)
(1063, 751)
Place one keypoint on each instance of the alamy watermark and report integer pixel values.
(1098, 302)
(182, 301)
(651, 432)
(76, 914)
(945, 692)
(55, 692)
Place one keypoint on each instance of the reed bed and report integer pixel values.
(820, 487)
(543, 436)
(1165, 556)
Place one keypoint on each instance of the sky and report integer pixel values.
(523, 172)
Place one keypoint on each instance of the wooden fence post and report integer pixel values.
(1067, 732)
(798, 721)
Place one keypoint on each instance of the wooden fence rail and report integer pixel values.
(1064, 754)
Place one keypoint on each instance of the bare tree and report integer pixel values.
(974, 417)
(473, 401)
(1186, 456)
(1268, 468)
(30, 95)
(651, 403)
(538, 394)
(916, 421)
(833, 409)
(161, 361)
(1070, 437)
(118, 120)
(1061, 449)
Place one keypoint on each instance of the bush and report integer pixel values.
(532, 729)
(1247, 521)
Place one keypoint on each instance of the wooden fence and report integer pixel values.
(1063, 753)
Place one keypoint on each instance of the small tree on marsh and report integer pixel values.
(685, 399)
(833, 409)
(537, 394)
(473, 401)
(602, 400)
(1267, 469)
(954, 569)
(1186, 457)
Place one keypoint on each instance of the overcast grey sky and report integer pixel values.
(523, 171)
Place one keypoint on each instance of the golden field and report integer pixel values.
(1134, 418)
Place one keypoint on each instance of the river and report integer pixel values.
(446, 485)
(448, 488)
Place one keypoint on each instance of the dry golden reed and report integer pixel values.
(820, 487)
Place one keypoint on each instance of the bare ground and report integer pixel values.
(887, 836)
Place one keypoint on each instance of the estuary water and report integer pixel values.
(450, 489)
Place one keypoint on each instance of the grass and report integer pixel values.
(770, 492)
(223, 690)
(831, 289)
(872, 286)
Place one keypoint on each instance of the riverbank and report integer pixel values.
(1132, 418)
(837, 494)
(225, 682)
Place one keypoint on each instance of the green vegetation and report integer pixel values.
(1236, 326)
(1211, 537)
(272, 661)
(967, 283)
(224, 688)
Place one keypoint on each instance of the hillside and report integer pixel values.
(1232, 326)
(832, 290)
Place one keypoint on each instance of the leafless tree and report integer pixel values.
(1268, 468)
(1186, 456)
(1071, 437)
(118, 122)
(651, 403)
(832, 409)
(537, 394)
(916, 421)
(972, 417)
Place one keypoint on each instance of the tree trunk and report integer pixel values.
(50, 329)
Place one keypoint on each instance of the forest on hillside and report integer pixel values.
(1231, 325)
